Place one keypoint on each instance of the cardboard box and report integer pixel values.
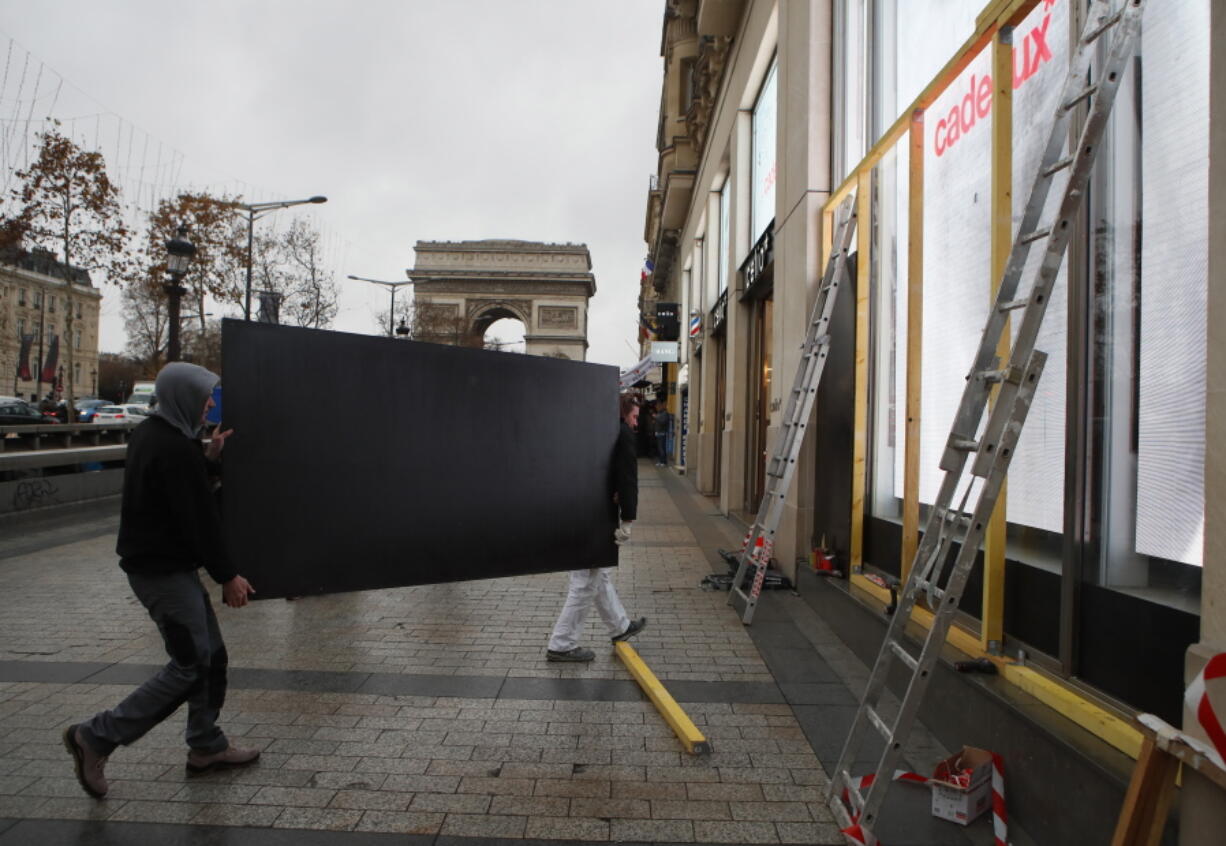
(957, 801)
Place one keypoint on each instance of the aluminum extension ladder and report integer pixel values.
(992, 450)
(760, 541)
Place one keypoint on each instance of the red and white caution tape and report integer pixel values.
(1000, 814)
(1206, 698)
(761, 558)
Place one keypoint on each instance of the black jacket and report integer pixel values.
(626, 473)
(169, 520)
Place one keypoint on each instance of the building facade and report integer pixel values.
(46, 306)
(1103, 567)
(461, 287)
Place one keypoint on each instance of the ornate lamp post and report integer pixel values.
(254, 211)
(179, 252)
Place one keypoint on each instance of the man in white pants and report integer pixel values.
(594, 585)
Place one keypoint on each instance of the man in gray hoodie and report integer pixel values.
(169, 527)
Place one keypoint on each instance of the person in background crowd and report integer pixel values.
(663, 431)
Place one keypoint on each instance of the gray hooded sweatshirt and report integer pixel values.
(169, 520)
(182, 389)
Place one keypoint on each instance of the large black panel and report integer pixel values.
(360, 462)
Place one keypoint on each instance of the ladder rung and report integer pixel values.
(1013, 375)
(932, 591)
(852, 786)
(1106, 25)
(879, 724)
(1059, 166)
(1035, 235)
(963, 444)
(1013, 305)
(1085, 94)
(904, 655)
(956, 518)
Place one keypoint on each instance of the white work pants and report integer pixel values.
(586, 587)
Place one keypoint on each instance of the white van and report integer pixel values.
(142, 394)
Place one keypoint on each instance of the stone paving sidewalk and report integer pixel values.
(518, 748)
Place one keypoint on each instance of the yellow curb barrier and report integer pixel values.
(682, 725)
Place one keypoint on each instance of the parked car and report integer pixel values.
(127, 413)
(86, 406)
(15, 412)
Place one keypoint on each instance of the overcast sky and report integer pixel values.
(419, 119)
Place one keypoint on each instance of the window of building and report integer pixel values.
(51, 304)
(687, 85)
(21, 296)
(721, 257)
(38, 298)
(78, 309)
(21, 326)
(76, 374)
(763, 169)
(76, 343)
(1123, 435)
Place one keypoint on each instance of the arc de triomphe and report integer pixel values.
(464, 286)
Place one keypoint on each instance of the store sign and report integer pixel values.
(973, 108)
(761, 257)
(668, 321)
(665, 352)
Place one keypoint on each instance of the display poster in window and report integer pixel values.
(957, 262)
(762, 208)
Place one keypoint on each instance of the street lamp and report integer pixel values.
(179, 252)
(400, 330)
(254, 212)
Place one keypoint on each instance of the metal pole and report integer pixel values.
(250, 239)
(42, 341)
(391, 317)
(174, 291)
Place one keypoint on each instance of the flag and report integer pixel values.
(53, 359)
(647, 329)
(648, 267)
(23, 361)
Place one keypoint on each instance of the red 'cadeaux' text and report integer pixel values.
(976, 104)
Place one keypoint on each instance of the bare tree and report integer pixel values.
(312, 302)
(146, 322)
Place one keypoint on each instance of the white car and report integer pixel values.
(128, 413)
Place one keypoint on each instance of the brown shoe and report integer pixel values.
(90, 766)
(231, 756)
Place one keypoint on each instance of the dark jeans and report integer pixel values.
(196, 674)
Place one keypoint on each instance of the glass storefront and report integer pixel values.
(1104, 502)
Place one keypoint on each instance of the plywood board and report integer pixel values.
(361, 462)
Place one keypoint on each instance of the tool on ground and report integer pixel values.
(823, 562)
(815, 350)
(1014, 381)
(773, 580)
(978, 665)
